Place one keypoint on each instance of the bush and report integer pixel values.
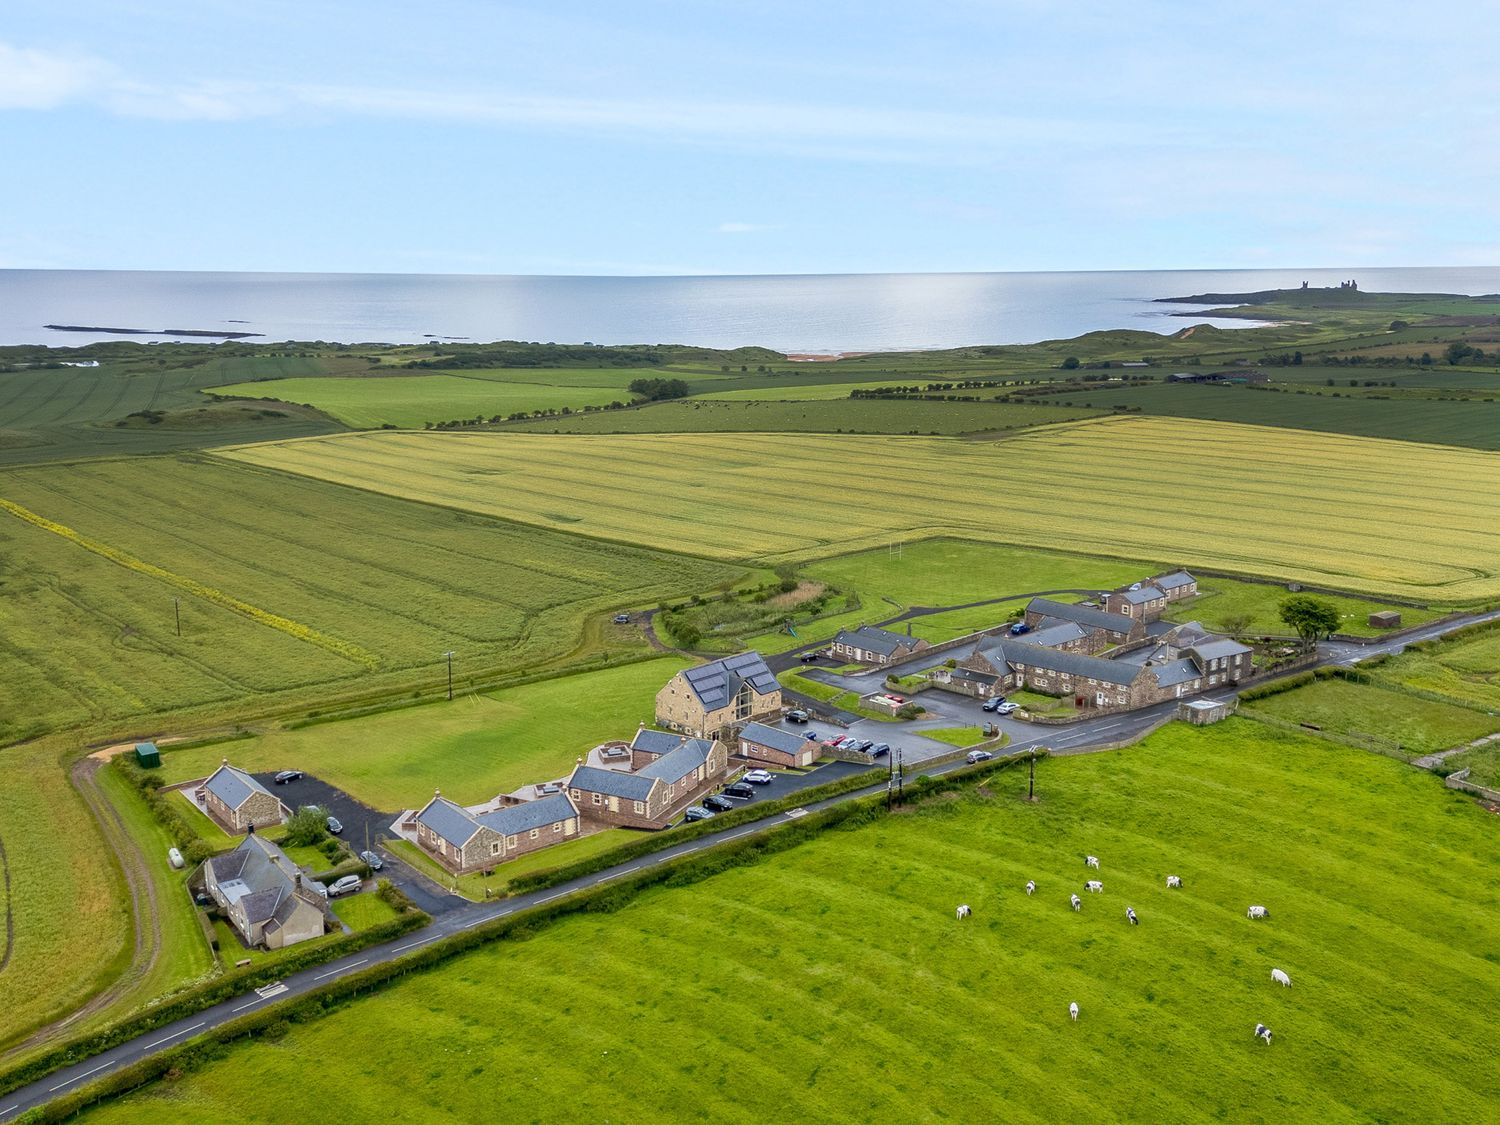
(1276, 687)
(306, 827)
(394, 897)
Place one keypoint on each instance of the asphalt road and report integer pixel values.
(1081, 737)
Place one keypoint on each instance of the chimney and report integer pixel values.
(223, 761)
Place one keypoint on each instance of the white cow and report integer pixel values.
(963, 912)
(1093, 885)
(1281, 978)
(1076, 901)
(1263, 1032)
(1073, 1010)
(1030, 887)
(1130, 914)
(1257, 912)
(1091, 860)
(1174, 880)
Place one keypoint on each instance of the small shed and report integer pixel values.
(1201, 712)
(1385, 619)
(147, 756)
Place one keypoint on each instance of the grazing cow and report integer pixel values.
(1030, 887)
(1263, 1032)
(1073, 1010)
(1129, 913)
(1257, 912)
(1091, 860)
(1281, 978)
(1174, 880)
(1076, 901)
(1093, 885)
(963, 912)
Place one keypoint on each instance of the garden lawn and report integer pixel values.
(956, 736)
(836, 975)
(1419, 726)
(472, 748)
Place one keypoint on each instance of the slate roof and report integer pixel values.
(650, 741)
(630, 786)
(679, 763)
(788, 742)
(1073, 663)
(973, 677)
(1218, 647)
(233, 786)
(1059, 634)
(451, 822)
(1084, 615)
(718, 682)
(1179, 671)
(872, 638)
(267, 880)
(515, 819)
(1176, 579)
(1145, 594)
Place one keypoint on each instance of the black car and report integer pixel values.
(739, 791)
(878, 749)
(373, 861)
(808, 657)
(696, 812)
(717, 803)
(288, 775)
(796, 716)
(993, 704)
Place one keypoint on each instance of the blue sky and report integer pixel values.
(713, 137)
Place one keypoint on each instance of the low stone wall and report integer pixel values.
(1460, 781)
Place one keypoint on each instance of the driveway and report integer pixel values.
(362, 827)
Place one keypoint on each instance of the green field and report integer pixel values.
(361, 583)
(836, 976)
(1253, 608)
(1465, 669)
(843, 415)
(1358, 514)
(473, 748)
(1390, 718)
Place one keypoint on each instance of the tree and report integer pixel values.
(1236, 623)
(1070, 364)
(1311, 618)
(305, 828)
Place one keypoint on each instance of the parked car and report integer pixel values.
(760, 777)
(991, 704)
(809, 657)
(1007, 708)
(288, 775)
(334, 826)
(878, 749)
(739, 791)
(622, 619)
(811, 735)
(1019, 628)
(347, 885)
(977, 756)
(717, 803)
(374, 861)
(696, 812)
(859, 744)
(836, 740)
(796, 716)
(174, 857)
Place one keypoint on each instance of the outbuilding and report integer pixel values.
(147, 756)
(1385, 619)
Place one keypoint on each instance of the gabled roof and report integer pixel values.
(1217, 647)
(788, 742)
(973, 677)
(233, 786)
(262, 879)
(718, 682)
(1060, 633)
(1073, 663)
(514, 819)
(1084, 615)
(1174, 580)
(1179, 671)
(650, 741)
(872, 638)
(630, 786)
(1146, 593)
(679, 763)
(449, 821)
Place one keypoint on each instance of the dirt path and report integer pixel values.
(10, 918)
(144, 909)
(1427, 761)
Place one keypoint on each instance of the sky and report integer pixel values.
(760, 137)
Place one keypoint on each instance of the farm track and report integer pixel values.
(10, 918)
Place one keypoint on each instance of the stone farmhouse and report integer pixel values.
(266, 897)
(1148, 600)
(668, 772)
(773, 746)
(1095, 629)
(237, 802)
(703, 702)
(870, 644)
(464, 841)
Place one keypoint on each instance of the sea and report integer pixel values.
(802, 313)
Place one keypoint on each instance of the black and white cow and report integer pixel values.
(1130, 914)
(1263, 1032)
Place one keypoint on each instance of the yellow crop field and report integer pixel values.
(1356, 513)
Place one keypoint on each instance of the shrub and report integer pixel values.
(305, 828)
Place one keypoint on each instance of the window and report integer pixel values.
(534, 834)
(512, 841)
(598, 799)
(576, 794)
(495, 848)
(557, 826)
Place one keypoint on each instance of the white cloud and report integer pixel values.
(37, 79)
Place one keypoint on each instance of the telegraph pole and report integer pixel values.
(449, 655)
(1031, 781)
(177, 612)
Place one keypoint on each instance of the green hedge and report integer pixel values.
(605, 898)
(206, 995)
(348, 867)
(194, 848)
(1276, 687)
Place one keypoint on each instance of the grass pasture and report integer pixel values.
(836, 975)
(1358, 514)
(1465, 669)
(1418, 726)
(1254, 608)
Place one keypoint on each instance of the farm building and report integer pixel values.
(776, 747)
(266, 898)
(1385, 619)
(705, 701)
(1177, 585)
(1202, 712)
(1103, 629)
(1143, 601)
(651, 795)
(872, 645)
(464, 841)
(237, 802)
